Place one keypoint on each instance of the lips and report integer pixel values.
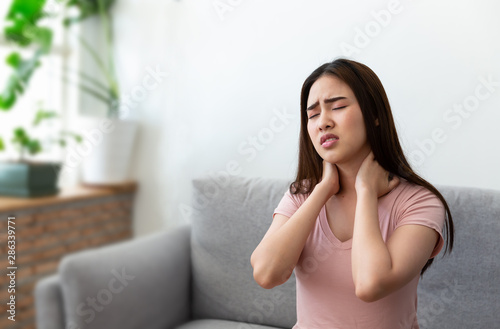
(326, 137)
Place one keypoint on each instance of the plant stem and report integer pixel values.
(106, 21)
(92, 92)
(87, 77)
(96, 58)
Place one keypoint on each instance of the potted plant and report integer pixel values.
(108, 162)
(23, 177)
(27, 178)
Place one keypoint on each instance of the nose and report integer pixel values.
(325, 121)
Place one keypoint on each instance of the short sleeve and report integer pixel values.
(289, 204)
(424, 208)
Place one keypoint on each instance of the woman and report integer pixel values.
(358, 225)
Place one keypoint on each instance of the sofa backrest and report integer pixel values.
(230, 215)
(462, 289)
(229, 218)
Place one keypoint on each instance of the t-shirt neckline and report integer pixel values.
(327, 231)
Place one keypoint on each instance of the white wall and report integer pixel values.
(228, 74)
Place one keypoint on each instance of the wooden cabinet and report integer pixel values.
(47, 228)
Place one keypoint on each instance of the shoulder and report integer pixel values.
(418, 205)
(407, 194)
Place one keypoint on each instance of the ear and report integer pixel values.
(376, 122)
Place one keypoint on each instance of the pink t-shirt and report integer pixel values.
(325, 288)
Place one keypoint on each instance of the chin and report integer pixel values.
(329, 158)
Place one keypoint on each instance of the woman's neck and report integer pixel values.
(347, 175)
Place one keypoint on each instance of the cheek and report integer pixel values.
(310, 130)
(355, 123)
(358, 127)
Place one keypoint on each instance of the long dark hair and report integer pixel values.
(382, 138)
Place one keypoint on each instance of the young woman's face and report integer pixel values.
(332, 109)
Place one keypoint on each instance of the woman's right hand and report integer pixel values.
(330, 178)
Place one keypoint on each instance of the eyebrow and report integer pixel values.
(329, 100)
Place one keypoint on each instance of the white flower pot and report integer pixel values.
(109, 159)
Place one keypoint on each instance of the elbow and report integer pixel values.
(369, 292)
(266, 277)
(264, 282)
(366, 295)
(263, 279)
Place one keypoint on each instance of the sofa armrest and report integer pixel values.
(143, 283)
(48, 303)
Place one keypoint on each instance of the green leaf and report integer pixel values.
(29, 9)
(78, 138)
(2, 145)
(19, 78)
(22, 29)
(20, 136)
(43, 36)
(23, 17)
(43, 115)
(13, 59)
(33, 147)
(86, 8)
(30, 34)
(8, 95)
(20, 132)
(62, 143)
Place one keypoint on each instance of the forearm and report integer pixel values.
(371, 260)
(277, 254)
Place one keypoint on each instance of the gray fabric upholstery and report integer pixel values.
(48, 303)
(230, 220)
(200, 276)
(462, 289)
(220, 324)
(145, 281)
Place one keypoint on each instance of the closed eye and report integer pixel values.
(336, 108)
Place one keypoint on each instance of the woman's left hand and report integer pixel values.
(372, 177)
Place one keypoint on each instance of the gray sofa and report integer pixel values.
(198, 275)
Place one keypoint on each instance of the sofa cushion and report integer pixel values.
(230, 215)
(221, 324)
(462, 289)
